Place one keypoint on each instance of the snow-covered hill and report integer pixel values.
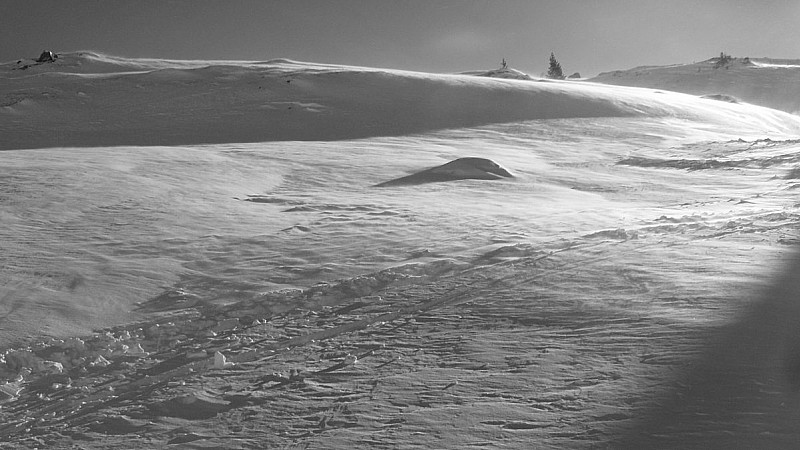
(761, 81)
(87, 99)
(219, 221)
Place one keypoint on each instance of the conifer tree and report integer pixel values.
(555, 71)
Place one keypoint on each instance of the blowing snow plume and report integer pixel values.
(119, 101)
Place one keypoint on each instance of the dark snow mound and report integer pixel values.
(722, 98)
(460, 169)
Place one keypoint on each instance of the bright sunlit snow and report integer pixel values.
(637, 219)
(88, 232)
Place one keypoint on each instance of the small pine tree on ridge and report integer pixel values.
(555, 71)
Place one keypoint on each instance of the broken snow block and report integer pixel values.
(220, 362)
(9, 391)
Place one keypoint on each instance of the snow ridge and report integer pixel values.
(124, 101)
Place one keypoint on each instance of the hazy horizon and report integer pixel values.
(435, 36)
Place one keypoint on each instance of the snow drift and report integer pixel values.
(88, 99)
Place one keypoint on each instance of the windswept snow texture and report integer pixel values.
(636, 221)
(87, 232)
(760, 81)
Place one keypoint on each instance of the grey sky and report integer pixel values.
(588, 36)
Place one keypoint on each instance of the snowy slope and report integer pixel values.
(562, 301)
(86, 99)
(761, 81)
(123, 223)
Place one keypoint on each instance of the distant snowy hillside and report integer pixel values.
(761, 81)
(88, 99)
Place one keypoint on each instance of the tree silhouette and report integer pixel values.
(555, 71)
(723, 60)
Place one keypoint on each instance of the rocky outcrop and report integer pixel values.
(47, 56)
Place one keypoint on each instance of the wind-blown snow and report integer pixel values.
(636, 220)
(760, 81)
(90, 231)
(777, 65)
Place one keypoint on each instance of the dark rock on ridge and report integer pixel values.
(47, 56)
